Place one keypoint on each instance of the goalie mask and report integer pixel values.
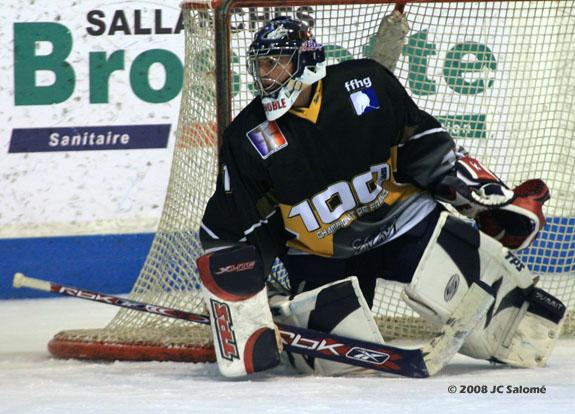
(284, 59)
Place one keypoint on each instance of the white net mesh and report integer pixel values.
(499, 75)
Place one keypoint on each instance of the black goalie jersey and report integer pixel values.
(345, 175)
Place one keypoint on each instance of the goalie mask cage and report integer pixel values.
(499, 75)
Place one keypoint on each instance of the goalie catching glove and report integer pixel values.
(245, 337)
(517, 224)
(513, 217)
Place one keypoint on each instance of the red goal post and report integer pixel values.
(499, 75)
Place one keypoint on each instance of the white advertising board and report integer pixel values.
(89, 102)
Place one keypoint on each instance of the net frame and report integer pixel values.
(167, 277)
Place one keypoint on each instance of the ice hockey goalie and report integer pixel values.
(337, 172)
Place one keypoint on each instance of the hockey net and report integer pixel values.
(499, 75)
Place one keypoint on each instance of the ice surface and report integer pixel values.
(31, 381)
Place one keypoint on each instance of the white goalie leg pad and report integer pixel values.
(245, 336)
(521, 326)
(338, 308)
(532, 332)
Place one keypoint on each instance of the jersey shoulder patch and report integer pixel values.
(267, 138)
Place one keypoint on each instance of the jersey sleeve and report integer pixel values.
(241, 209)
(425, 150)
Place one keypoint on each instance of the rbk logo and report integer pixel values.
(325, 346)
(367, 355)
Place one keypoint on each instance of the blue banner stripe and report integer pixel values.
(108, 263)
(89, 138)
(554, 249)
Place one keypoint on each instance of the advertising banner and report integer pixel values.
(88, 112)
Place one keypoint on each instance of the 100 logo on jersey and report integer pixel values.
(342, 202)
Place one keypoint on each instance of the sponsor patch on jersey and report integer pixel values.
(364, 101)
(362, 95)
(267, 138)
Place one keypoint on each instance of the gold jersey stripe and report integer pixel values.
(311, 113)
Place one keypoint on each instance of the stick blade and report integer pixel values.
(447, 343)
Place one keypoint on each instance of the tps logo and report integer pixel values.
(364, 99)
(225, 332)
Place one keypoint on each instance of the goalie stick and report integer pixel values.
(415, 363)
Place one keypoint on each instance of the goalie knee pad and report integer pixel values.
(233, 284)
(521, 326)
(338, 308)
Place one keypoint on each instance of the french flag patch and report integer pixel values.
(267, 138)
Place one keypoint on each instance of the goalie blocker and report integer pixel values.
(233, 285)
